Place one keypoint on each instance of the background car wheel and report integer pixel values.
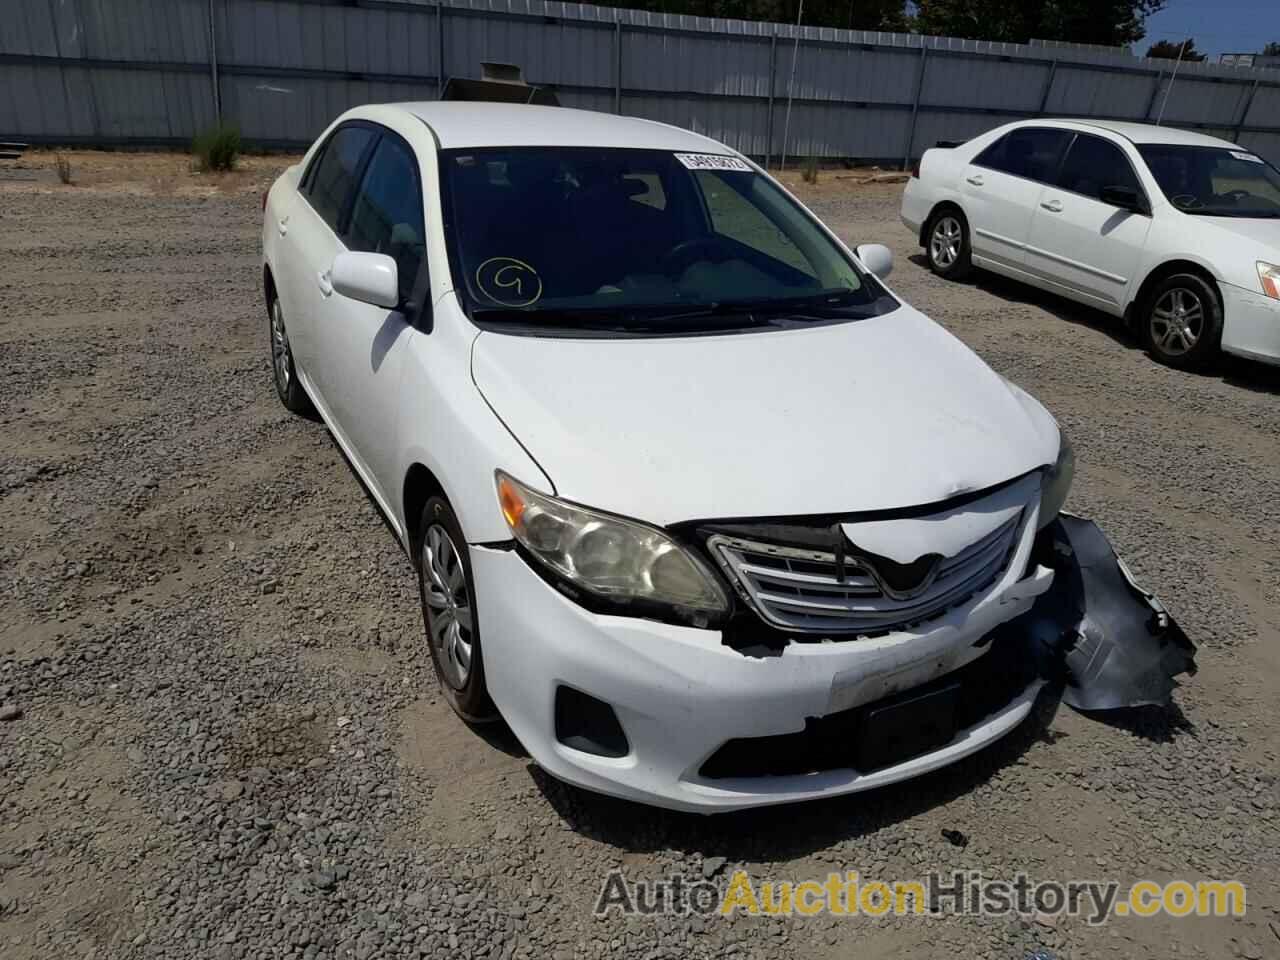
(1182, 321)
(283, 372)
(947, 244)
(449, 612)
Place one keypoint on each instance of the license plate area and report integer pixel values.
(907, 727)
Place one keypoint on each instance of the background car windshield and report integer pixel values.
(550, 230)
(1214, 181)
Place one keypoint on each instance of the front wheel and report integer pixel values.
(449, 612)
(1182, 322)
(947, 244)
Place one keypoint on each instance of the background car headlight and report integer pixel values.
(610, 558)
(1269, 277)
(1057, 480)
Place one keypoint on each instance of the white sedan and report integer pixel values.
(698, 505)
(1176, 232)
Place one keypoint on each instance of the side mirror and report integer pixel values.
(1126, 198)
(367, 277)
(877, 258)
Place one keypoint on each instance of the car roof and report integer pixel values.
(464, 123)
(1148, 132)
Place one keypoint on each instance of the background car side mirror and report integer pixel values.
(877, 258)
(1126, 198)
(367, 277)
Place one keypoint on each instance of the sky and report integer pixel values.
(1218, 26)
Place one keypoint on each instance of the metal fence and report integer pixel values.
(160, 71)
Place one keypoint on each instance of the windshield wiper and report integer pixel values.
(824, 305)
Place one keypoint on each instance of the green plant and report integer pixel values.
(63, 166)
(809, 173)
(216, 149)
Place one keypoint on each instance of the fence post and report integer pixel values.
(213, 67)
(1248, 102)
(440, 78)
(768, 135)
(617, 63)
(1154, 93)
(1048, 87)
(915, 107)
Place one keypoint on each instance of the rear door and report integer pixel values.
(314, 223)
(1089, 249)
(1002, 187)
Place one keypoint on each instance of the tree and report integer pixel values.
(1108, 22)
(1167, 50)
(1272, 49)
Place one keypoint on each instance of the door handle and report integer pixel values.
(325, 284)
(1053, 206)
(282, 225)
(975, 180)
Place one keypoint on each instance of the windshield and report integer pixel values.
(1214, 181)
(638, 241)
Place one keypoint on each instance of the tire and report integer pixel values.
(1181, 322)
(946, 244)
(445, 591)
(283, 372)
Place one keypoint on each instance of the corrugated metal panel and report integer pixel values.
(288, 66)
(1079, 92)
(990, 84)
(297, 109)
(720, 65)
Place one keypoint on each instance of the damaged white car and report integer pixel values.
(708, 514)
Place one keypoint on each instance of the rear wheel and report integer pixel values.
(1182, 322)
(947, 244)
(449, 612)
(283, 371)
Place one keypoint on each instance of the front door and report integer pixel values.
(1089, 249)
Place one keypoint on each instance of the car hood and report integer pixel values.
(875, 414)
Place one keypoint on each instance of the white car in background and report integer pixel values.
(1177, 232)
(708, 514)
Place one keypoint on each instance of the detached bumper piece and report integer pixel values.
(1111, 642)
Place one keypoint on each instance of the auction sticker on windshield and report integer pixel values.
(712, 161)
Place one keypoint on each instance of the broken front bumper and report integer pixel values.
(682, 720)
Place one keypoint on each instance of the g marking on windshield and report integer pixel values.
(508, 281)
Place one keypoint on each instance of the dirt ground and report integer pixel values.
(228, 741)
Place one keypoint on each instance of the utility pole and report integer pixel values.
(1169, 89)
(786, 124)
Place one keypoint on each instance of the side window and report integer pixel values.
(736, 217)
(335, 172)
(1093, 163)
(387, 214)
(1029, 152)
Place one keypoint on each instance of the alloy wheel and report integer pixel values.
(448, 604)
(1177, 321)
(944, 243)
(281, 356)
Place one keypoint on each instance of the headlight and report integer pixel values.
(615, 560)
(1269, 277)
(1057, 480)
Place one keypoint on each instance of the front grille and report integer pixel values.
(801, 589)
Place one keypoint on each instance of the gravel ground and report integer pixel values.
(220, 735)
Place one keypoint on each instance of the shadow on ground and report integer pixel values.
(1235, 371)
